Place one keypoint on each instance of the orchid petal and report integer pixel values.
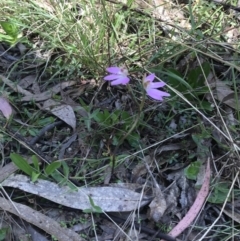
(118, 75)
(157, 94)
(150, 78)
(111, 77)
(122, 80)
(114, 70)
(155, 85)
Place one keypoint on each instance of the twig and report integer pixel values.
(143, 229)
(129, 131)
(43, 130)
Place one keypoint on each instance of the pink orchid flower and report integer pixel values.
(118, 75)
(151, 87)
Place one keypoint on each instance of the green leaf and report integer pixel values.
(125, 115)
(71, 186)
(177, 81)
(133, 139)
(7, 38)
(192, 170)
(94, 209)
(196, 78)
(87, 122)
(99, 118)
(121, 157)
(89, 210)
(205, 105)
(103, 118)
(114, 117)
(45, 121)
(116, 139)
(21, 163)
(126, 118)
(33, 132)
(106, 114)
(84, 105)
(52, 167)
(35, 176)
(10, 28)
(194, 86)
(58, 178)
(91, 201)
(36, 162)
(65, 169)
(3, 233)
(97, 209)
(107, 118)
(219, 193)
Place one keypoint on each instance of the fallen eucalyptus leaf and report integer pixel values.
(65, 113)
(109, 199)
(40, 220)
(195, 208)
(226, 95)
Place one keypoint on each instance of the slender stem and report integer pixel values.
(130, 130)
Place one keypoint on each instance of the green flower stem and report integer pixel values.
(113, 157)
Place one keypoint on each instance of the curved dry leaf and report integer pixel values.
(224, 94)
(40, 220)
(195, 208)
(109, 199)
(5, 107)
(158, 206)
(27, 81)
(65, 113)
(233, 215)
(49, 93)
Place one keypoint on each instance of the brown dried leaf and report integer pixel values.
(65, 113)
(223, 93)
(27, 81)
(49, 93)
(233, 215)
(76, 106)
(158, 206)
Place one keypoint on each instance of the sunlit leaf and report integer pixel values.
(10, 28)
(192, 170)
